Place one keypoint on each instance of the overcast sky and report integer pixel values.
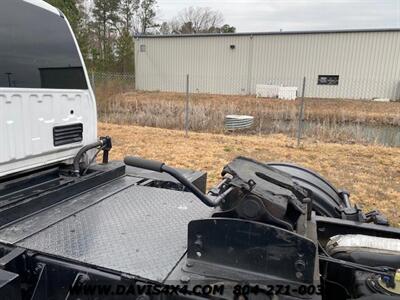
(273, 15)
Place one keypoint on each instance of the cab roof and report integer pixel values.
(44, 5)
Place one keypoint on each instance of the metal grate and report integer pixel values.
(69, 134)
(140, 231)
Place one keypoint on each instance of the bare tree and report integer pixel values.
(200, 19)
(175, 27)
(195, 20)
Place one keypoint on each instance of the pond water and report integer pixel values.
(340, 132)
(374, 134)
(371, 134)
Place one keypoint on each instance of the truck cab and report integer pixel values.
(47, 106)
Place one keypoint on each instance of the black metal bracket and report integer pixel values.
(80, 280)
(107, 146)
(377, 218)
(40, 291)
(249, 251)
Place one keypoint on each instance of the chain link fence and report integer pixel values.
(330, 117)
(109, 88)
(98, 80)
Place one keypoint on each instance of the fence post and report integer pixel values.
(187, 107)
(301, 114)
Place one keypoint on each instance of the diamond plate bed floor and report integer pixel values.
(140, 231)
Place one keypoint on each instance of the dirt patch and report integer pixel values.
(370, 173)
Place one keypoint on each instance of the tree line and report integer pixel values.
(105, 29)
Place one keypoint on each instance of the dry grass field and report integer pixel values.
(370, 173)
(346, 121)
(330, 111)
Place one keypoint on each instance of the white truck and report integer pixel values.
(47, 106)
(72, 228)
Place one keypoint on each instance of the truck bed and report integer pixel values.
(121, 226)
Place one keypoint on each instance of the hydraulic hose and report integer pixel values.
(160, 167)
(191, 187)
(80, 154)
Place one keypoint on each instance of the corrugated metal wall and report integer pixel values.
(368, 63)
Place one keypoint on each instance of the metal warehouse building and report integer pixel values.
(356, 64)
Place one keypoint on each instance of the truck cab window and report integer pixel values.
(37, 49)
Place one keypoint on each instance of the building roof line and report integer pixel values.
(269, 33)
